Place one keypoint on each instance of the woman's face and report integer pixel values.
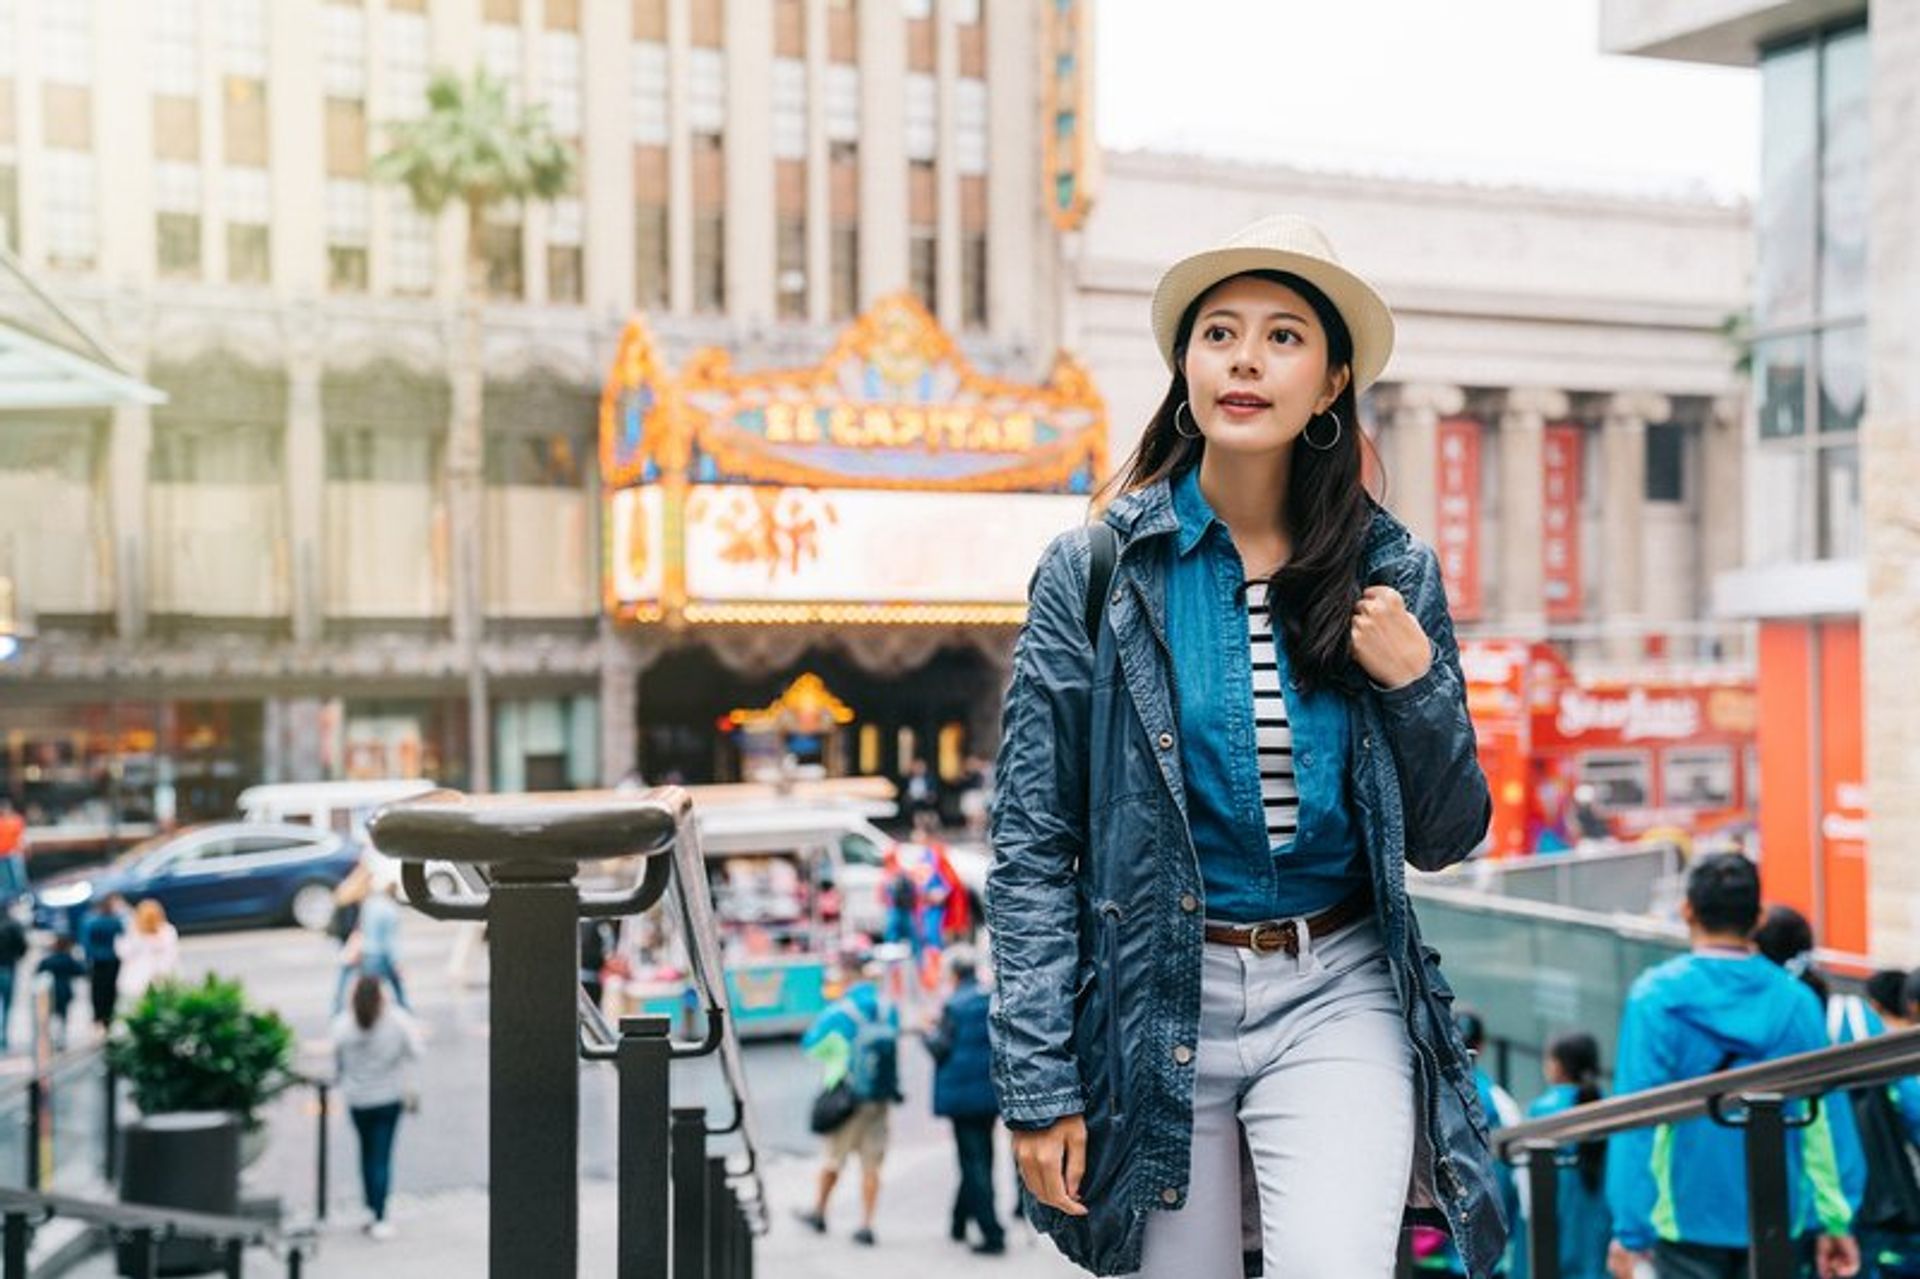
(1257, 366)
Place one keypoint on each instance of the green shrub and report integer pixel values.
(185, 1047)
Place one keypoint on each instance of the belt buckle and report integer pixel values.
(1257, 935)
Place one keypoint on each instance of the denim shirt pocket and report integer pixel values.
(1322, 740)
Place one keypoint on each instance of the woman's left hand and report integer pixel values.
(1387, 639)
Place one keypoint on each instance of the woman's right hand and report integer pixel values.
(1051, 1161)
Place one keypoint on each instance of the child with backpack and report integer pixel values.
(856, 1039)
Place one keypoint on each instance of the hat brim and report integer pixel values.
(1368, 319)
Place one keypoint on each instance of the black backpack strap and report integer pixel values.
(1105, 546)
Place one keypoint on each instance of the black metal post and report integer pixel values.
(1543, 1227)
(18, 1236)
(296, 1256)
(719, 1209)
(746, 1244)
(146, 1253)
(34, 1103)
(110, 1125)
(235, 1252)
(534, 1207)
(644, 1054)
(689, 1157)
(1503, 1061)
(1767, 1225)
(320, 1173)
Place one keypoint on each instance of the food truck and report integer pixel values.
(1571, 759)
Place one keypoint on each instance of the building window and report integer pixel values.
(1810, 338)
(1666, 450)
(791, 266)
(923, 266)
(72, 223)
(789, 109)
(346, 138)
(649, 77)
(560, 81)
(176, 129)
(970, 127)
(413, 247)
(66, 116)
(344, 51)
(176, 190)
(709, 23)
(403, 91)
(706, 91)
(243, 26)
(66, 43)
(973, 280)
(650, 21)
(9, 205)
(650, 256)
(248, 208)
(246, 122)
(843, 103)
(789, 28)
(845, 244)
(347, 232)
(565, 259)
(500, 57)
(709, 261)
(173, 57)
(923, 118)
(501, 246)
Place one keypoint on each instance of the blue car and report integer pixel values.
(218, 875)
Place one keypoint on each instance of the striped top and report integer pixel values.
(1273, 736)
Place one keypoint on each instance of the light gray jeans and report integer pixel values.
(1309, 1055)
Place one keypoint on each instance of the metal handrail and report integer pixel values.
(145, 1227)
(1865, 1063)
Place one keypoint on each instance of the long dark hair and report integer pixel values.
(1578, 1056)
(1327, 507)
(368, 1000)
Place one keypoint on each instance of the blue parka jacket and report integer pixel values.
(1095, 902)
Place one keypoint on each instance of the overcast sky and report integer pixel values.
(1487, 90)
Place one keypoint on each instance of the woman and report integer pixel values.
(1586, 1228)
(1198, 901)
(372, 1046)
(148, 952)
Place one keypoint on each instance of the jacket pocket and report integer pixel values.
(1109, 989)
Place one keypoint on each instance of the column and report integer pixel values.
(751, 230)
(946, 176)
(883, 149)
(296, 125)
(1522, 531)
(306, 480)
(619, 689)
(1719, 496)
(819, 212)
(679, 160)
(1016, 294)
(606, 39)
(1413, 411)
(128, 454)
(1890, 472)
(123, 143)
(1623, 451)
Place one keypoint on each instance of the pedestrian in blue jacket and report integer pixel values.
(963, 1093)
(1678, 1193)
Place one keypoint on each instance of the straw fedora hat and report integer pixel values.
(1282, 242)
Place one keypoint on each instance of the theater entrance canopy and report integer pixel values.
(871, 521)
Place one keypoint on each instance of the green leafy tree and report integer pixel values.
(474, 150)
(185, 1047)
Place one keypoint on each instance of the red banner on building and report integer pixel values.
(1560, 520)
(1457, 534)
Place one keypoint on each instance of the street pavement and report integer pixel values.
(440, 1207)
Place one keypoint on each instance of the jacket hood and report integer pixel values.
(1743, 1006)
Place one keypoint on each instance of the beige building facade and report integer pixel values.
(1833, 443)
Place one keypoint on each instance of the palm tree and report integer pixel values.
(476, 149)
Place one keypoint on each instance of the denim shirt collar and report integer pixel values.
(1191, 509)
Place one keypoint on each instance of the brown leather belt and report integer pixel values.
(1277, 935)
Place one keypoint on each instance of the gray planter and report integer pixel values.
(188, 1160)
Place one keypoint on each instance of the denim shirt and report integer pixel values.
(1245, 878)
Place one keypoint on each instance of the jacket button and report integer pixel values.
(1182, 1054)
(1189, 903)
(1169, 1196)
(1116, 597)
(1166, 741)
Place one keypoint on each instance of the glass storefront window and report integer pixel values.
(1843, 378)
(1842, 533)
(1780, 389)
(1780, 489)
(1845, 143)
(1784, 218)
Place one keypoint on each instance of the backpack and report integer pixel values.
(1892, 1199)
(1104, 544)
(873, 1068)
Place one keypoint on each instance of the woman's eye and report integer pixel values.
(1284, 336)
(1217, 333)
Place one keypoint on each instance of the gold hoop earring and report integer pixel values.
(1315, 444)
(1185, 435)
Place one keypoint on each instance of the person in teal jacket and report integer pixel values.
(1573, 1076)
(1677, 1193)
